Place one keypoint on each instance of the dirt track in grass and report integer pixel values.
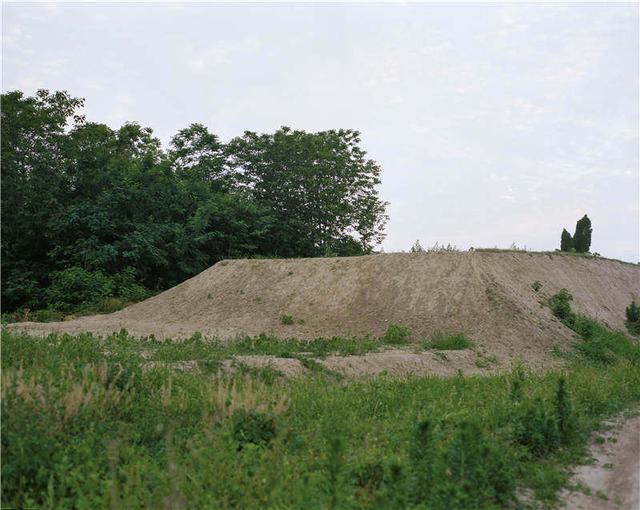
(486, 295)
(612, 482)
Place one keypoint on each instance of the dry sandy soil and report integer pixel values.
(613, 480)
(486, 295)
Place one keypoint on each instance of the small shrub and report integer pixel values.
(286, 319)
(422, 455)
(584, 326)
(633, 318)
(477, 470)
(536, 286)
(333, 469)
(561, 307)
(448, 342)
(369, 476)
(563, 413)
(536, 429)
(253, 427)
(518, 377)
(396, 335)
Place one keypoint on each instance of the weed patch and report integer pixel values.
(447, 342)
(396, 335)
(286, 319)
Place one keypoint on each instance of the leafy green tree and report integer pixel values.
(197, 155)
(320, 188)
(33, 179)
(582, 236)
(75, 286)
(100, 212)
(566, 241)
(229, 225)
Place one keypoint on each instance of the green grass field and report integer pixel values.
(87, 423)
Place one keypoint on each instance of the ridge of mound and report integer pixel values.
(486, 295)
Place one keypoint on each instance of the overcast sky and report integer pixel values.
(493, 123)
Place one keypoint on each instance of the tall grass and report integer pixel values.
(85, 426)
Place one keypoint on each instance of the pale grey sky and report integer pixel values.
(493, 123)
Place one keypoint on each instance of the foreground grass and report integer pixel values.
(84, 425)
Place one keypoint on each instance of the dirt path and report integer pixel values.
(613, 480)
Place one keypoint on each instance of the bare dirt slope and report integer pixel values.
(612, 482)
(486, 295)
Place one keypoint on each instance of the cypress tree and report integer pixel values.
(582, 237)
(566, 241)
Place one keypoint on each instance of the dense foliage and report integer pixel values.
(633, 318)
(566, 241)
(580, 242)
(582, 235)
(90, 212)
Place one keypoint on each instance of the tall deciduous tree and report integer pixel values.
(33, 181)
(85, 205)
(582, 236)
(320, 187)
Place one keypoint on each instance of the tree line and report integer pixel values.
(90, 212)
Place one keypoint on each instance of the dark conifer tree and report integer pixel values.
(582, 236)
(566, 241)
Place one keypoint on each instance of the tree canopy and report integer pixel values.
(85, 204)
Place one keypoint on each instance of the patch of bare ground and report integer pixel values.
(487, 296)
(612, 481)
